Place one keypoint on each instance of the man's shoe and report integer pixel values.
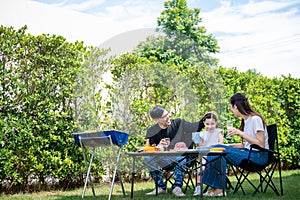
(197, 191)
(159, 191)
(178, 192)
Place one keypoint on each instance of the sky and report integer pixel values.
(252, 34)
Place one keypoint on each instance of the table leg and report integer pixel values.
(156, 183)
(132, 178)
(222, 173)
(88, 176)
(201, 176)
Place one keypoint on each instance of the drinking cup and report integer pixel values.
(196, 137)
(166, 143)
(229, 125)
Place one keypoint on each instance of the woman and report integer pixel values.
(252, 131)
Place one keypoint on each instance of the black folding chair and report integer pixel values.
(265, 172)
(168, 171)
(190, 172)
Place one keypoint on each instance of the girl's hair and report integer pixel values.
(210, 115)
(244, 107)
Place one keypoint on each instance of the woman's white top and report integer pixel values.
(252, 125)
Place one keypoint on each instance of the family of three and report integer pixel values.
(252, 131)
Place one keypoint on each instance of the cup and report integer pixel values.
(229, 125)
(196, 137)
(167, 143)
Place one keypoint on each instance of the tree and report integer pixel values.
(184, 34)
(90, 96)
(37, 83)
(169, 67)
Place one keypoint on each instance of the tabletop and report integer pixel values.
(188, 152)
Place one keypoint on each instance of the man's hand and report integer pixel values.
(180, 146)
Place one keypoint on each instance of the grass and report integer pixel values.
(291, 186)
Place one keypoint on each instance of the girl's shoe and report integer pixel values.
(197, 191)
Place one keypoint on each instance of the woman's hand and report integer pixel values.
(259, 139)
(234, 131)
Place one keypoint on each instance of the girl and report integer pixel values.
(252, 130)
(211, 136)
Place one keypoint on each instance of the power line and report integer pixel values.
(289, 40)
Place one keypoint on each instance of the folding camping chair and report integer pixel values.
(265, 172)
(94, 140)
(188, 168)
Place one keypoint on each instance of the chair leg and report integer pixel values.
(229, 186)
(190, 180)
(241, 179)
(269, 182)
(238, 178)
(280, 177)
(265, 180)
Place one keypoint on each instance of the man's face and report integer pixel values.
(164, 121)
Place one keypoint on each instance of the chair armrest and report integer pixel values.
(255, 146)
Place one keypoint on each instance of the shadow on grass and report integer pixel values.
(140, 190)
(291, 185)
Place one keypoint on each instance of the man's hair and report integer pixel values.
(157, 111)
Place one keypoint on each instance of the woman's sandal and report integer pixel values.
(218, 195)
(208, 193)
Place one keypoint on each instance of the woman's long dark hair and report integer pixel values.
(244, 107)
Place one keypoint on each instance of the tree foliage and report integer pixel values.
(184, 33)
(37, 85)
(205, 87)
(173, 67)
(89, 93)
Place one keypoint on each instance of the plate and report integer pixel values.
(203, 150)
(216, 151)
(194, 150)
(187, 150)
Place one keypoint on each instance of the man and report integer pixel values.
(178, 130)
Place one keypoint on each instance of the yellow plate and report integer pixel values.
(217, 149)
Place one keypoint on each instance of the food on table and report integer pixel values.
(217, 149)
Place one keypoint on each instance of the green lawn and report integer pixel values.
(291, 186)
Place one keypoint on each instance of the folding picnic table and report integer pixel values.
(187, 153)
(97, 139)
